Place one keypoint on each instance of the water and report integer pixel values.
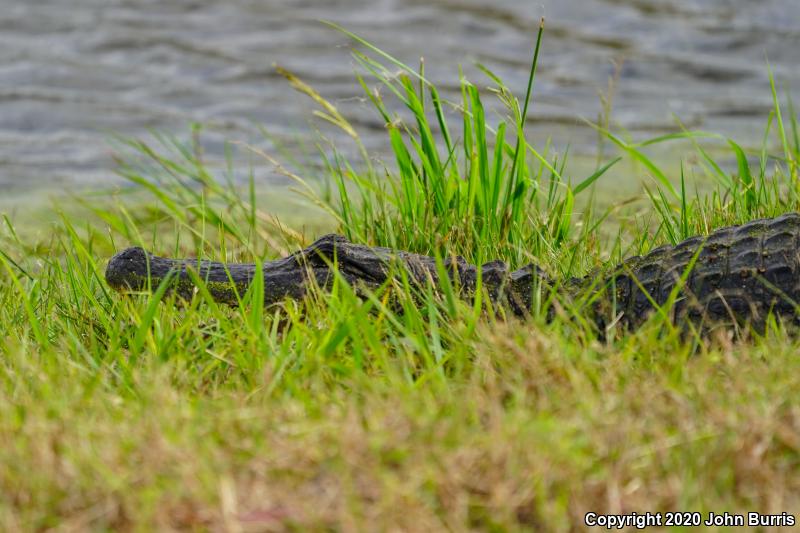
(73, 71)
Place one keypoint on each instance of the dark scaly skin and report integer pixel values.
(131, 269)
(741, 274)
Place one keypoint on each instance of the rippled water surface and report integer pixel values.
(73, 71)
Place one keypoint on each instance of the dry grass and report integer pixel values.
(534, 434)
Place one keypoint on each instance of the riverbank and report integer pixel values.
(122, 413)
(348, 413)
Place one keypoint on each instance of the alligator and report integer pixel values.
(735, 275)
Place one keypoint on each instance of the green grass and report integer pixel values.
(348, 413)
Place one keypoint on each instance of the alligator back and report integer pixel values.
(738, 274)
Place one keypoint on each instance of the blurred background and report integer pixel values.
(74, 72)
